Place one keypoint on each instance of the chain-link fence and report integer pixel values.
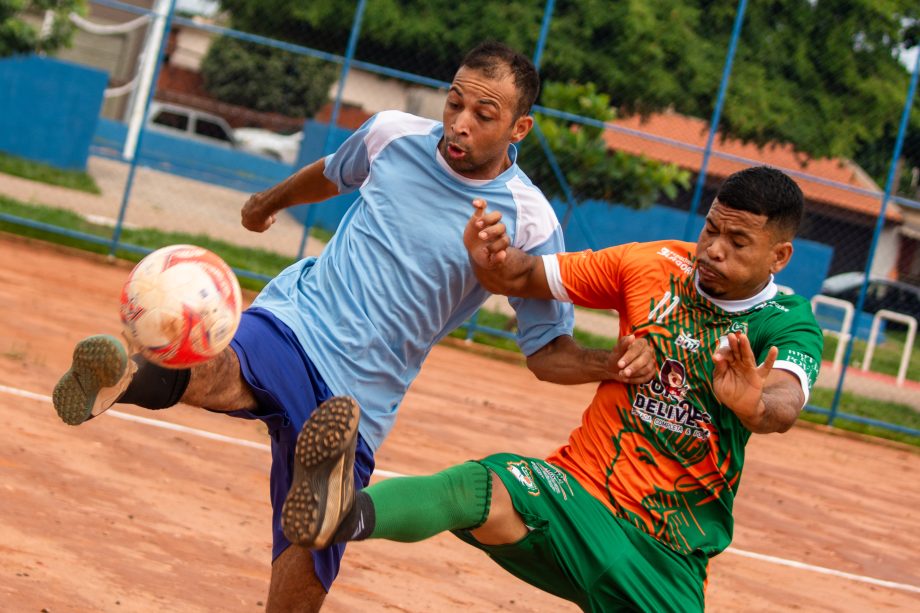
(644, 111)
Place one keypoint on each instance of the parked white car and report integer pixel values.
(192, 123)
(279, 147)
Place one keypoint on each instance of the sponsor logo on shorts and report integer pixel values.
(557, 480)
(522, 473)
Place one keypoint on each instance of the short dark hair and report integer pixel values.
(493, 57)
(765, 191)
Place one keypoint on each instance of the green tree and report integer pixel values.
(592, 171)
(266, 79)
(425, 37)
(820, 74)
(21, 25)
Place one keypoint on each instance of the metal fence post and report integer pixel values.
(879, 223)
(161, 31)
(689, 231)
(544, 32)
(336, 107)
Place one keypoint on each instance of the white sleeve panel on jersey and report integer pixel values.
(349, 166)
(536, 220)
(554, 277)
(799, 372)
(391, 125)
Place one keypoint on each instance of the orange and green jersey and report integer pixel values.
(667, 455)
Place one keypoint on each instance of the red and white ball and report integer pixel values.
(181, 306)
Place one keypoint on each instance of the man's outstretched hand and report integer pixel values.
(737, 380)
(485, 237)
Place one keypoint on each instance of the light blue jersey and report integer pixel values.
(395, 278)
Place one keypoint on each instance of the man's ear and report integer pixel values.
(522, 127)
(782, 253)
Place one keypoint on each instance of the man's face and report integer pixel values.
(736, 253)
(479, 123)
(674, 379)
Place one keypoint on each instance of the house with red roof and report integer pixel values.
(842, 201)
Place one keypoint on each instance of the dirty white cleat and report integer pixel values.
(323, 488)
(98, 376)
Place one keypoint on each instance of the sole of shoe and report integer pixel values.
(98, 362)
(322, 491)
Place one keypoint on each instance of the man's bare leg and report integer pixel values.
(294, 587)
(218, 385)
(504, 524)
(102, 374)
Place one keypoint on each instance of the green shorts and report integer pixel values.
(580, 551)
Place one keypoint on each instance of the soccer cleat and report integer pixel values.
(98, 376)
(323, 488)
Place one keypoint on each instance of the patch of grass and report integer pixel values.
(254, 260)
(36, 171)
(861, 406)
(886, 358)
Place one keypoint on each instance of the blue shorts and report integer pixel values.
(287, 388)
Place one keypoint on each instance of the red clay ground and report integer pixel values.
(122, 516)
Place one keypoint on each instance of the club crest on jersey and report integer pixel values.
(739, 326)
(671, 410)
(522, 473)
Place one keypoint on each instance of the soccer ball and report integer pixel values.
(181, 306)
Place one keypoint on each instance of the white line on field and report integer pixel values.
(822, 570)
(156, 423)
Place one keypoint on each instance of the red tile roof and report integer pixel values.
(693, 131)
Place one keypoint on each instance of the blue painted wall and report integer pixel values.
(223, 166)
(49, 109)
(596, 224)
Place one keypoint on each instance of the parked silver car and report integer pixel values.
(192, 123)
(279, 147)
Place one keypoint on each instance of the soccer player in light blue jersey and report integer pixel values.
(393, 281)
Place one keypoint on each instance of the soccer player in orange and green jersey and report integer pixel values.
(626, 515)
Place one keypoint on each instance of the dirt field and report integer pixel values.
(120, 515)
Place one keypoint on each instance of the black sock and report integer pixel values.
(360, 521)
(155, 387)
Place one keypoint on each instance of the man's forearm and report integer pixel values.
(510, 277)
(777, 411)
(306, 186)
(565, 362)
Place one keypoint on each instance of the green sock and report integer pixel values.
(409, 509)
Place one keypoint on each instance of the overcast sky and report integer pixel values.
(201, 7)
(910, 57)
